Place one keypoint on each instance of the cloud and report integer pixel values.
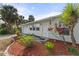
(48, 15)
(22, 10)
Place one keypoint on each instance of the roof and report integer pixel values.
(41, 20)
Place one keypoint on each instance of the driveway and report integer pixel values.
(6, 36)
(4, 42)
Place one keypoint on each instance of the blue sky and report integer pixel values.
(39, 10)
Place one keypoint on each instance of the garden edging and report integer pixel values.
(6, 53)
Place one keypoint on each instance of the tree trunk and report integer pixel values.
(63, 38)
(10, 29)
(72, 37)
(6, 26)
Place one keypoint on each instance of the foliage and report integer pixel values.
(17, 30)
(3, 29)
(9, 15)
(31, 18)
(73, 51)
(70, 18)
(69, 15)
(49, 45)
(27, 40)
(20, 20)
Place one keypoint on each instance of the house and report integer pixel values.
(46, 28)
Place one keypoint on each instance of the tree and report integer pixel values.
(20, 19)
(31, 18)
(70, 18)
(9, 15)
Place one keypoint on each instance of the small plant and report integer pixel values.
(73, 51)
(49, 45)
(27, 40)
(17, 31)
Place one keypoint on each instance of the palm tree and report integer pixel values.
(9, 15)
(70, 18)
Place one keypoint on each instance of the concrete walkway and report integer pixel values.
(7, 36)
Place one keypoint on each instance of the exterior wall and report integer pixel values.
(76, 32)
(43, 30)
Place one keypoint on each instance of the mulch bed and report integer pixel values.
(39, 49)
(18, 49)
(60, 48)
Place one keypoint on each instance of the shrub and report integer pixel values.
(49, 45)
(17, 31)
(3, 29)
(27, 40)
(73, 51)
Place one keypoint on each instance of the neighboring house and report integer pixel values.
(46, 28)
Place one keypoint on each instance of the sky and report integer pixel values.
(38, 10)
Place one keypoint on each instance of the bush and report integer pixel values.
(27, 40)
(17, 31)
(49, 45)
(3, 29)
(73, 51)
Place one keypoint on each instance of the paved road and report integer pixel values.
(6, 36)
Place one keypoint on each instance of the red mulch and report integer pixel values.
(39, 49)
(16, 49)
(19, 50)
(60, 48)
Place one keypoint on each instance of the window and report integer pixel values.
(64, 31)
(30, 28)
(37, 28)
(33, 28)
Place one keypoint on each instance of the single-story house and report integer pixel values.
(46, 28)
